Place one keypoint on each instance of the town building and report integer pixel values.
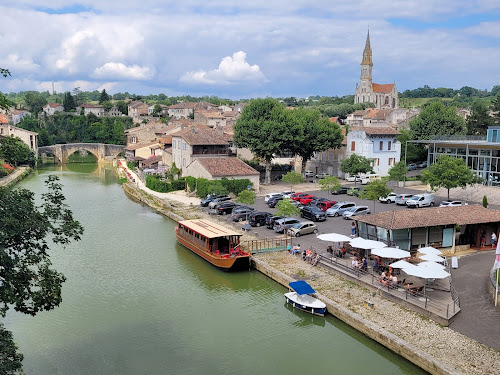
(28, 137)
(381, 95)
(51, 108)
(213, 119)
(142, 151)
(137, 109)
(18, 115)
(187, 109)
(87, 108)
(145, 133)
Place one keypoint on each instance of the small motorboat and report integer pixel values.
(300, 298)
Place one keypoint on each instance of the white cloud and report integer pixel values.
(114, 70)
(231, 70)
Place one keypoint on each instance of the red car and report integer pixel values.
(297, 196)
(307, 199)
(325, 205)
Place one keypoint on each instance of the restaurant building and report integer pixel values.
(448, 228)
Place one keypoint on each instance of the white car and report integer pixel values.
(453, 204)
(391, 198)
(353, 178)
(270, 195)
(287, 194)
(309, 174)
(322, 175)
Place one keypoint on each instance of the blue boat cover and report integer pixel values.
(301, 287)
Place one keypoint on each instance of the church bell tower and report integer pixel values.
(367, 65)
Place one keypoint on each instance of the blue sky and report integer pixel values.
(252, 49)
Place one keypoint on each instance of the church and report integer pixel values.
(383, 96)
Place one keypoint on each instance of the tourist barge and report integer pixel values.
(214, 243)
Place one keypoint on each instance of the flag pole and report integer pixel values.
(496, 290)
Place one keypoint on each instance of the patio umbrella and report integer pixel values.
(427, 272)
(432, 258)
(433, 265)
(334, 237)
(361, 243)
(391, 252)
(429, 250)
(402, 264)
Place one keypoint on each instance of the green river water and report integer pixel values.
(136, 302)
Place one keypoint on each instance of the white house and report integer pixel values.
(51, 108)
(378, 143)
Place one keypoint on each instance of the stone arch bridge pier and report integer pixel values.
(102, 152)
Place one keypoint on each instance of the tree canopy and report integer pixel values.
(286, 208)
(292, 178)
(436, 119)
(449, 172)
(479, 120)
(104, 97)
(15, 152)
(329, 184)
(495, 108)
(4, 102)
(398, 171)
(246, 197)
(356, 164)
(68, 102)
(374, 190)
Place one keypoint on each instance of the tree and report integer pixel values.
(436, 119)
(479, 120)
(356, 164)
(312, 133)
(104, 97)
(374, 190)
(4, 102)
(157, 109)
(263, 128)
(413, 151)
(16, 152)
(29, 285)
(78, 96)
(485, 201)
(495, 108)
(122, 107)
(449, 172)
(286, 208)
(34, 101)
(246, 197)
(68, 102)
(329, 184)
(398, 171)
(292, 178)
(216, 188)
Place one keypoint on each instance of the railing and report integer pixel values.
(418, 299)
(454, 294)
(266, 245)
(458, 138)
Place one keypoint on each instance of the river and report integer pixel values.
(136, 302)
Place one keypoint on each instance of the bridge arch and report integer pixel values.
(62, 152)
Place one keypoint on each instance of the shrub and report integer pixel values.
(179, 184)
(202, 187)
(154, 183)
(191, 182)
(235, 186)
(485, 201)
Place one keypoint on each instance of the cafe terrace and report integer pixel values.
(448, 228)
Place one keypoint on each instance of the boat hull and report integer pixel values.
(231, 263)
(313, 306)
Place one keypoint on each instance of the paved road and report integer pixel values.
(478, 318)
(4, 181)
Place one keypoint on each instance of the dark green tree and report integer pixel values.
(28, 283)
(104, 97)
(436, 119)
(398, 171)
(246, 197)
(479, 120)
(157, 109)
(449, 172)
(495, 108)
(312, 133)
(14, 151)
(286, 208)
(263, 128)
(122, 107)
(356, 164)
(68, 102)
(4, 102)
(413, 151)
(374, 190)
(34, 101)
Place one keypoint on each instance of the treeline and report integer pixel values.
(443, 92)
(64, 128)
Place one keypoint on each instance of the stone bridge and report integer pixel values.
(63, 151)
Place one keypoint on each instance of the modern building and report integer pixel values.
(381, 95)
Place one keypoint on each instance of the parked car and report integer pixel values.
(354, 191)
(281, 225)
(216, 201)
(308, 174)
(270, 221)
(355, 211)
(225, 208)
(353, 178)
(304, 227)
(322, 175)
(242, 214)
(422, 164)
(402, 198)
(325, 205)
(390, 198)
(453, 204)
(274, 201)
(297, 196)
(313, 213)
(287, 193)
(306, 199)
(338, 208)
(270, 195)
(210, 198)
(257, 219)
(343, 190)
(420, 200)
(240, 207)
(412, 166)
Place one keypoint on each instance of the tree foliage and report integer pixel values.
(495, 108)
(356, 164)
(436, 119)
(374, 190)
(286, 208)
(14, 151)
(329, 184)
(292, 178)
(449, 172)
(28, 283)
(479, 120)
(246, 197)
(411, 152)
(34, 101)
(4, 102)
(104, 97)
(398, 171)
(68, 102)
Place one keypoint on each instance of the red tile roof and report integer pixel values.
(229, 166)
(3, 119)
(203, 135)
(139, 145)
(151, 160)
(429, 217)
(384, 88)
(376, 130)
(53, 105)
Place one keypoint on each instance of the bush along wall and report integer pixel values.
(204, 186)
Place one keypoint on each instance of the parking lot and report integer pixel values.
(332, 224)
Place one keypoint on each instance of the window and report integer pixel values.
(381, 145)
(389, 144)
(183, 162)
(183, 145)
(353, 146)
(391, 161)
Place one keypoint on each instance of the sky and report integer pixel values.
(246, 49)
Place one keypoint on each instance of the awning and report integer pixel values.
(301, 287)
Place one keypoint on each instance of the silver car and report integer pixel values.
(402, 198)
(304, 227)
(355, 211)
(338, 208)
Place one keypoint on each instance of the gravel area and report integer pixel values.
(459, 351)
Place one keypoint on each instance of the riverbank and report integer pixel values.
(436, 349)
(18, 174)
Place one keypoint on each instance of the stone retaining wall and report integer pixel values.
(382, 336)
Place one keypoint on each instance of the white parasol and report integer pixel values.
(432, 265)
(427, 272)
(429, 250)
(432, 258)
(334, 237)
(402, 264)
(391, 252)
(361, 243)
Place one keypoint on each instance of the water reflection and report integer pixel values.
(305, 319)
(82, 167)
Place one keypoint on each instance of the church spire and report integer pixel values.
(367, 53)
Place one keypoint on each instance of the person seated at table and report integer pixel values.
(355, 263)
(309, 255)
(394, 280)
(296, 249)
(376, 267)
(384, 278)
(364, 265)
(306, 255)
(329, 249)
(312, 256)
(315, 260)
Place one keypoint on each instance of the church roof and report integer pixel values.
(367, 53)
(384, 88)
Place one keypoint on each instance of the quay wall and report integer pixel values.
(492, 288)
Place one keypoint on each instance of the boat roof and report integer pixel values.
(208, 228)
(301, 287)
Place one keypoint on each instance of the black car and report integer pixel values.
(209, 198)
(258, 218)
(343, 190)
(313, 213)
(270, 221)
(240, 207)
(225, 208)
(272, 202)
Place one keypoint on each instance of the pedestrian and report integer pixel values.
(483, 239)
(493, 239)
(353, 228)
